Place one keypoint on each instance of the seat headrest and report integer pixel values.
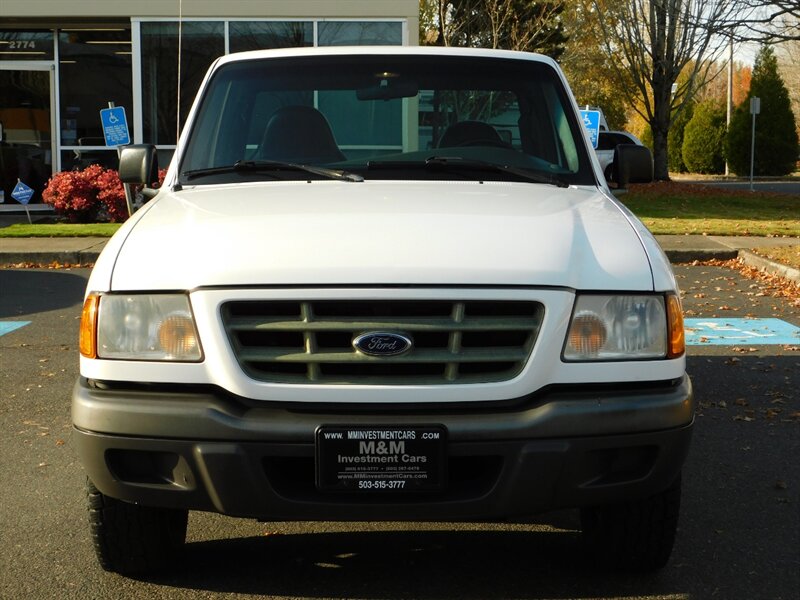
(299, 134)
(464, 132)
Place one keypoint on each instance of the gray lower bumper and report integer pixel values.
(206, 452)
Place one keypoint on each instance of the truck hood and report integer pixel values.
(380, 232)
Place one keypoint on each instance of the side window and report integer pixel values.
(606, 141)
(618, 138)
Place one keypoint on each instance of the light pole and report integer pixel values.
(730, 100)
(755, 108)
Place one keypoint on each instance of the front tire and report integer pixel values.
(130, 538)
(637, 535)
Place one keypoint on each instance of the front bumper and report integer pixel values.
(562, 448)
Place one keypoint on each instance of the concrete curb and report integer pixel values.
(691, 255)
(46, 251)
(78, 257)
(769, 266)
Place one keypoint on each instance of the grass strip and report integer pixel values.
(21, 230)
(678, 208)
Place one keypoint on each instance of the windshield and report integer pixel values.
(386, 117)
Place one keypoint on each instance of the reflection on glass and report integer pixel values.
(264, 35)
(360, 33)
(94, 69)
(26, 45)
(26, 145)
(78, 158)
(202, 43)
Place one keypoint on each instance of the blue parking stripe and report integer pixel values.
(9, 326)
(730, 332)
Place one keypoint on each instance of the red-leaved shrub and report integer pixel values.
(92, 195)
(112, 196)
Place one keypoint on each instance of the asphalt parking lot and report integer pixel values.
(739, 525)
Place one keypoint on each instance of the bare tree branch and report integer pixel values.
(768, 21)
(652, 42)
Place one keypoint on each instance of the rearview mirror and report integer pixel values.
(139, 164)
(389, 89)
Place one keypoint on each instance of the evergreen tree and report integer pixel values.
(704, 137)
(776, 143)
(675, 138)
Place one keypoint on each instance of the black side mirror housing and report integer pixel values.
(138, 164)
(632, 164)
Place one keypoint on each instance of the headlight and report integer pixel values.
(618, 327)
(156, 327)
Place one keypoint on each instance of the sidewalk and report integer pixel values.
(46, 251)
(688, 248)
(679, 249)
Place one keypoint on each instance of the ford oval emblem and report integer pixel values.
(382, 343)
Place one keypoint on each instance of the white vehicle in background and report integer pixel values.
(382, 284)
(607, 142)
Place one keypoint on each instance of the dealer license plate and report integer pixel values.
(381, 458)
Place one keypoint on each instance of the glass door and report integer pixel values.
(26, 128)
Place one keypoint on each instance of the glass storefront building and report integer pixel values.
(56, 74)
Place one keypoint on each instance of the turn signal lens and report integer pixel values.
(88, 330)
(176, 335)
(677, 340)
(587, 335)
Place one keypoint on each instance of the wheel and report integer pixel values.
(129, 538)
(636, 535)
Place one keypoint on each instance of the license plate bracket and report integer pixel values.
(381, 458)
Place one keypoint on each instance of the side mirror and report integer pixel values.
(138, 164)
(632, 164)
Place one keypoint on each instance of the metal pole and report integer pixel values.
(126, 188)
(752, 150)
(730, 99)
(25, 205)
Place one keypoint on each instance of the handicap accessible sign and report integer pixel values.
(115, 126)
(591, 120)
(730, 332)
(22, 193)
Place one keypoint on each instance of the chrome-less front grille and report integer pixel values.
(312, 341)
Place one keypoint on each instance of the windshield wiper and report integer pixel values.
(459, 163)
(274, 165)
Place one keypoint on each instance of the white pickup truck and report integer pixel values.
(382, 284)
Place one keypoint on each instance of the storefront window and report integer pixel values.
(26, 45)
(246, 35)
(202, 42)
(94, 69)
(25, 132)
(360, 33)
